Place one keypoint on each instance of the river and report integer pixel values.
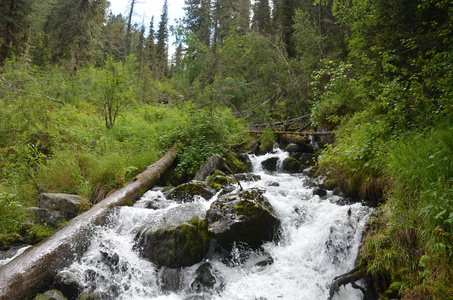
(318, 241)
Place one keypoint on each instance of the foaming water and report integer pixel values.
(318, 241)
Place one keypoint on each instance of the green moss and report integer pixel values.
(197, 237)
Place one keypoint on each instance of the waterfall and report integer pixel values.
(318, 241)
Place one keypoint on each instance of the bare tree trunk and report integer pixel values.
(33, 271)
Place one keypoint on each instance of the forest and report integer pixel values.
(89, 99)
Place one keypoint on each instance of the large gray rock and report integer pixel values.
(66, 203)
(186, 192)
(246, 217)
(270, 164)
(175, 245)
(212, 163)
(50, 217)
(299, 147)
(70, 283)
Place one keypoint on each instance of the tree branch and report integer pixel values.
(10, 87)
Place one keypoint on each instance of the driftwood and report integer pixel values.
(33, 271)
(281, 122)
(349, 277)
(10, 87)
(294, 133)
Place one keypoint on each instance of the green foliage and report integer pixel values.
(12, 217)
(203, 134)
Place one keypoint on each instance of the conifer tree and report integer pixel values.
(73, 37)
(15, 20)
(162, 42)
(261, 21)
(198, 19)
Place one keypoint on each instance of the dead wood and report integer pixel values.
(349, 277)
(33, 271)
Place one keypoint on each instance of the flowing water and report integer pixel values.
(319, 240)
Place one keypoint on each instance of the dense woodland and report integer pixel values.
(89, 99)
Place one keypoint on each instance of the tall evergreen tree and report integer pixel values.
(128, 30)
(261, 21)
(113, 35)
(162, 42)
(198, 19)
(73, 37)
(283, 21)
(230, 15)
(15, 20)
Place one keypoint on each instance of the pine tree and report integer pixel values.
(198, 19)
(261, 21)
(15, 20)
(73, 37)
(162, 42)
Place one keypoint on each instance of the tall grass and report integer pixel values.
(411, 245)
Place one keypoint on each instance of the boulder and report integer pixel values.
(186, 192)
(175, 245)
(299, 147)
(320, 192)
(270, 164)
(51, 295)
(212, 163)
(50, 217)
(246, 217)
(247, 177)
(291, 165)
(307, 159)
(204, 281)
(65, 203)
(70, 283)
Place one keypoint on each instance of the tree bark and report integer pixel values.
(33, 271)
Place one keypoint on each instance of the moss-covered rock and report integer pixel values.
(270, 164)
(51, 295)
(186, 192)
(246, 218)
(175, 245)
(292, 165)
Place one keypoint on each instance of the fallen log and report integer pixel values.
(33, 271)
(281, 122)
(350, 277)
(295, 132)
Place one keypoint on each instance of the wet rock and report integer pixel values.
(51, 295)
(95, 296)
(310, 172)
(299, 147)
(204, 281)
(65, 203)
(291, 165)
(50, 217)
(272, 183)
(247, 177)
(212, 163)
(175, 245)
(270, 164)
(246, 217)
(170, 280)
(70, 283)
(186, 192)
(307, 159)
(320, 192)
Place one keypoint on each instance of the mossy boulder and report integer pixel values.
(292, 165)
(187, 192)
(51, 295)
(175, 245)
(70, 283)
(212, 163)
(246, 217)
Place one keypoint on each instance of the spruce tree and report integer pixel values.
(261, 21)
(162, 42)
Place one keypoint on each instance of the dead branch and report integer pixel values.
(281, 122)
(304, 133)
(10, 87)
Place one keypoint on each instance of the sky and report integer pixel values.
(145, 9)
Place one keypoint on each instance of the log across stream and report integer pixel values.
(34, 270)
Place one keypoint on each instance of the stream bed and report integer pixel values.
(318, 240)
